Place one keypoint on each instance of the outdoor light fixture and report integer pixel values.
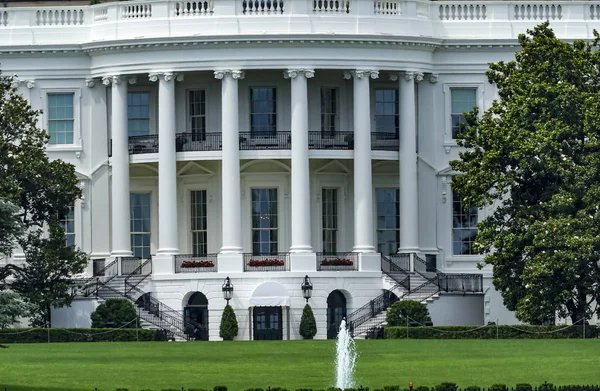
(227, 289)
(307, 288)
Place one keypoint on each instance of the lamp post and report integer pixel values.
(227, 289)
(307, 288)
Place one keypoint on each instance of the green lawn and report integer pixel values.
(294, 364)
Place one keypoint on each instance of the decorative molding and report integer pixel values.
(90, 82)
(179, 77)
(112, 79)
(394, 77)
(444, 189)
(293, 73)
(132, 80)
(235, 74)
(447, 149)
(433, 77)
(78, 154)
(361, 73)
(30, 84)
(15, 82)
(411, 75)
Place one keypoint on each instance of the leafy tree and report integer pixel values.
(534, 158)
(42, 190)
(11, 227)
(308, 325)
(405, 311)
(229, 324)
(11, 308)
(115, 311)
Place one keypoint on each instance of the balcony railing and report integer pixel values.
(337, 261)
(189, 263)
(187, 142)
(384, 142)
(143, 144)
(331, 140)
(278, 262)
(254, 141)
(130, 265)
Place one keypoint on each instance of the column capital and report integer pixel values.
(411, 75)
(433, 77)
(362, 74)
(293, 73)
(90, 82)
(166, 76)
(235, 74)
(112, 79)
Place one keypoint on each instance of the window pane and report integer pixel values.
(140, 224)
(263, 116)
(463, 99)
(138, 113)
(388, 220)
(264, 221)
(60, 118)
(464, 226)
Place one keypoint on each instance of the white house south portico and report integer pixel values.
(265, 144)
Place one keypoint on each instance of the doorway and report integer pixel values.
(336, 312)
(268, 323)
(196, 317)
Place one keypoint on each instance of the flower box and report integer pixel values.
(265, 262)
(337, 262)
(197, 264)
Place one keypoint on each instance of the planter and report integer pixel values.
(337, 267)
(197, 269)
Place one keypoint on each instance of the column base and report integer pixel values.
(408, 250)
(303, 262)
(301, 249)
(363, 249)
(121, 253)
(230, 250)
(167, 251)
(163, 264)
(230, 263)
(369, 262)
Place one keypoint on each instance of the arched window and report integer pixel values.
(336, 311)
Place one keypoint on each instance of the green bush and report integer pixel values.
(224, 388)
(391, 388)
(523, 387)
(407, 310)
(472, 388)
(421, 388)
(550, 386)
(228, 328)
(75, 335)
(258, 389)
(117, 311)
(489, 332)
(278, 389)
(308, 325)
(498, 387)
(446, 387)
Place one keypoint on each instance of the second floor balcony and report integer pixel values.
(248, 141)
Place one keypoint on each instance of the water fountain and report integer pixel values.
(345, 358)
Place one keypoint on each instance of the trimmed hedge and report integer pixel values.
(491, 332)
(76, 335)
(439, 387)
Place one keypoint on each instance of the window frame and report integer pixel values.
(335, 114)
(335, 215)
(76, 145)
(479, 101)
(149, 112)
(453, 229)
(188, 114)
(278, 215)
(376, 215)
(275, 113)
(150, 219)
(396, 115)
(191, 218)
(64, 220)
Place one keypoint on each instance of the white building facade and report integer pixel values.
(266, 141)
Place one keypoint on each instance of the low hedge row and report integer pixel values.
(77, 335)
(490, 332)
(439, 387)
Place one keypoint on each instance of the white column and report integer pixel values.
(363, 181)
(409, 201)
(301, 229)
(167, 165)
(231, 208)
(121, 244)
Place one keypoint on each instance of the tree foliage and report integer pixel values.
(12, 307)
(11, 227)
(41, 190)
(405, 311)
(115, 312)
(534, 158)
(229, 324)
(308, 324)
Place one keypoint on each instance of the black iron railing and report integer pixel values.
(466, 283)
(143, 144)
(98, 266)
(258, 140)
(277, 262)
(189, 263)
(397, 268)
(357, 320)
(331, 140)
(384, 141)
(89, 287)
(187, 142)
(337, 261)
(138, 275)
(130, 264)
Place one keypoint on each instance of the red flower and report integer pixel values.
(203, 263)
(266, 262)
(337, 262)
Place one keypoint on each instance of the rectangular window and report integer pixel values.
(264, 221)
(463, 100)
(68, 223)
(386, 111)
(330, 220)
(388, 220)
(198, 226)
(263, 111)
(328, 110)
(464, 226)
(197, 114)
(60, 118)
(138, 113)
(139, 205)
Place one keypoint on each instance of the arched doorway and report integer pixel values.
(196, 317)
(269, 303)
(336, 311)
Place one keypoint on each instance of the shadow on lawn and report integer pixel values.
(9, 387)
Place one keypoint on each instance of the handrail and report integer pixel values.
(137, 272)
(93, 281)
(442, 280)
(369, 311)
(395, 271)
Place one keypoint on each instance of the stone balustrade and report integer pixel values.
(134, 20)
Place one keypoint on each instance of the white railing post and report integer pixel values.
(226, 8)
(162, 9)
(362, 8)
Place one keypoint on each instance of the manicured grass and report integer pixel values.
(294, 364)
